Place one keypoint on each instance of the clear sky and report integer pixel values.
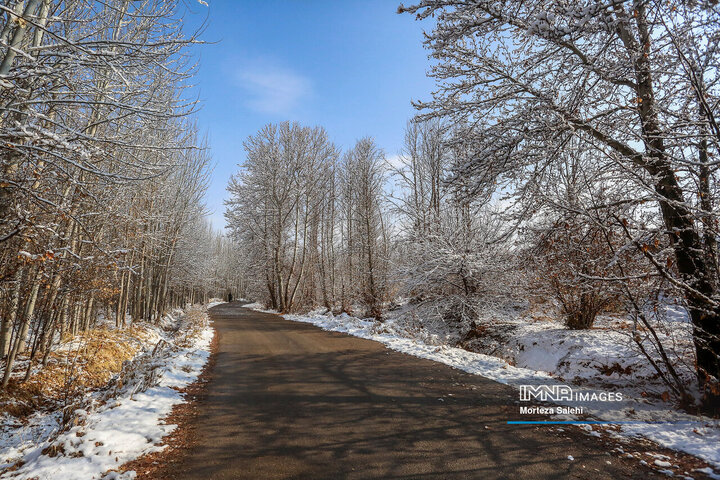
(350, 66)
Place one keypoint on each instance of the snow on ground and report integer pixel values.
(553, 352)
(16, 438)
(604, 356)
(214, 302)
(256, 306)
(107, 435)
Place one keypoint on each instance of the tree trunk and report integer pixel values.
(9, 320)
(19, 344)
(687, 246)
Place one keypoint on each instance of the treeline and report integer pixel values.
(310, 220)
(103, 171)
(568, 155)
(351, 232)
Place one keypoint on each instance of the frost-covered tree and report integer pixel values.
(454, 251)
(310, 223)
(100, 173)
(276, 206)
(423, 167)
(636, 82)
(365, 243)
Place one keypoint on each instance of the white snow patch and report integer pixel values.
(256, 306)
(125, 428)
(709, 472)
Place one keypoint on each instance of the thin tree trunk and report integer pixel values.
(9, 320)
(19, 343)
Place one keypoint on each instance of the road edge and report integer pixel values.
(164, 464)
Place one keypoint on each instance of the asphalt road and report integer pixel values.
(289, 400)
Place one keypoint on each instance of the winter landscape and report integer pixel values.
(438, 240)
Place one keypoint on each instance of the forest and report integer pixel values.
(567, 157)
(103, 173)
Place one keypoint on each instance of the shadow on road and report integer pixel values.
(289, 400)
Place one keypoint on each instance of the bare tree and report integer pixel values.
(276, 206)
(100, 172)
(524, 78)
(365, 242)
(455, 255)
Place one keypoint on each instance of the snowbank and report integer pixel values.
(256, 306)
(605, 356)
(110, 434)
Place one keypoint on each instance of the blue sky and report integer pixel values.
(351, 67)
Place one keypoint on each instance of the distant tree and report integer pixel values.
(277, 202)
(365, 242)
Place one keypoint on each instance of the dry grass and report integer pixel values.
(194, 322)
(85, 363)
(95, 356)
